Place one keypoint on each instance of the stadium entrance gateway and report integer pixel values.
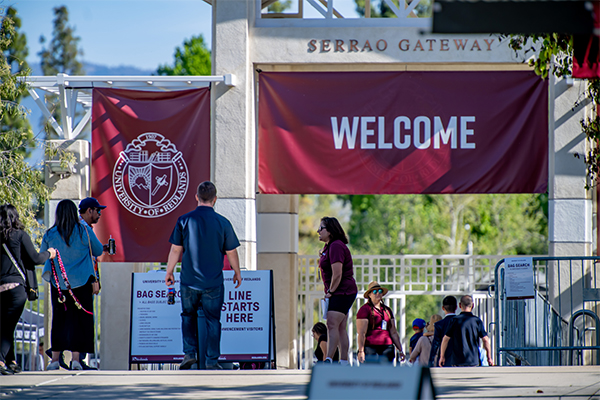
(364, 61)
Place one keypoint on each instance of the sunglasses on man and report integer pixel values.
(378, 291)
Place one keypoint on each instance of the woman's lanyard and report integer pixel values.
(382, 312)
(63, 272)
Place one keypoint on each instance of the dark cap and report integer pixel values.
(89, 202)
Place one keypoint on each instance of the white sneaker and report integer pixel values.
(76, 366)
(53, 366)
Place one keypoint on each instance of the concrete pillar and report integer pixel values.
(69, 182)
(277, 226)
(569, 204)
(233, 138)
(115, 301)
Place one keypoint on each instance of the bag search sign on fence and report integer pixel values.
(518, 275)
(247, 319)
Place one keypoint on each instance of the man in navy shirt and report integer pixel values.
(466, 329)
(440, 328)
(203, 237)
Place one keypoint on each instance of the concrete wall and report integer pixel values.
(570, 204)
(570, 214)
(115, 303)
(373, 45)
(277, 227)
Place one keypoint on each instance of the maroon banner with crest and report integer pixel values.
(402, 132)
(150, 150)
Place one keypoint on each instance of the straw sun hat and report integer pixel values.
(372, 286)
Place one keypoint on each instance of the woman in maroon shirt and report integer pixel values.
(375, 325)
(340, 287)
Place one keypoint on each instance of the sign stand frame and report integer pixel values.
(270, 363)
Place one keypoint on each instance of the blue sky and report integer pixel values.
(140, 33)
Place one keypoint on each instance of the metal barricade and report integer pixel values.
(560, 325)
(30, 330)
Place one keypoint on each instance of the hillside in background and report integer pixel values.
(98, 69)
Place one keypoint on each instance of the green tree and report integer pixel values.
(311, 209)
(444, 224)
(383, 10)
(16, 54)
(279, 6)
(61, 55)
(20, 184)
(509, 224)
(192, 59)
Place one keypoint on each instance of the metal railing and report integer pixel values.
(560, 325)
(30, 330)
(403, 275)
(540, 334)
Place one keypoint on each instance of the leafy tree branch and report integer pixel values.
(21, 184)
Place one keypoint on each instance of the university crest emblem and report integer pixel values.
(150, 178)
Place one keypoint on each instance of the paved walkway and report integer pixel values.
(451, 383)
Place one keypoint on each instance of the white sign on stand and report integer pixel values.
(155, 325)
(247, 319)
(370, 381)
(518, 278)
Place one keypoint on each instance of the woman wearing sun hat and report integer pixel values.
(376, 327)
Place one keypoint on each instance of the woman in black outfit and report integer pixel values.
(319, 332)
(12, 283)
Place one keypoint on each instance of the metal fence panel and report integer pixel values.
(403, 275)
(30, 330)
(559, 326)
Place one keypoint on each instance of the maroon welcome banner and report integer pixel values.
(402, 132)
(150, 150)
